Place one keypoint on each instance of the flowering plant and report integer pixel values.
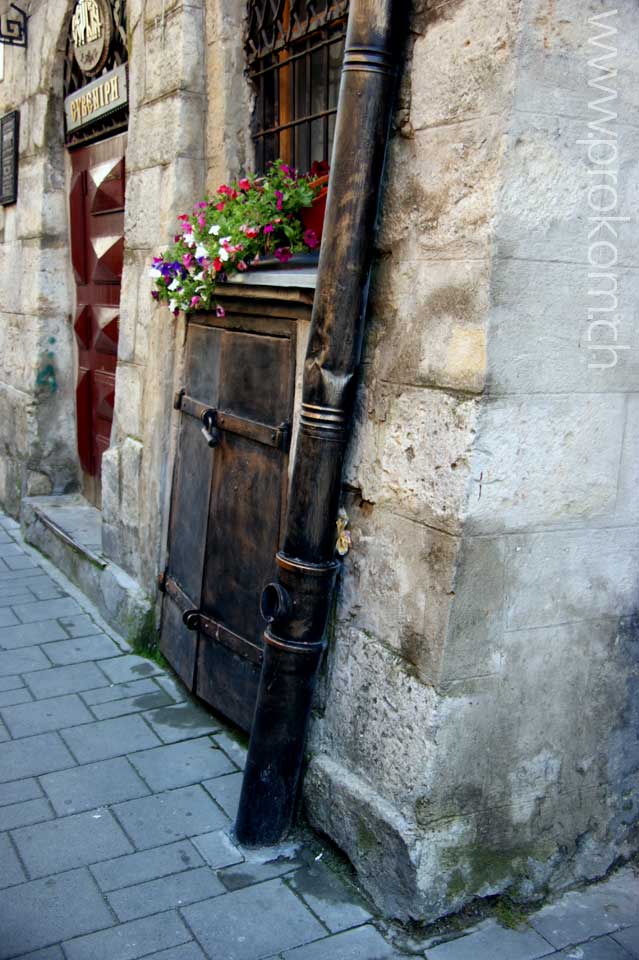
(246, 220)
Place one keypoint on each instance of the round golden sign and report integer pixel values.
(92, 29)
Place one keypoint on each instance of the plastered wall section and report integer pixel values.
(476, 728)
(37, 427)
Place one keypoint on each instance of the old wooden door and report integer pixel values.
(97, 249)
(227, 503)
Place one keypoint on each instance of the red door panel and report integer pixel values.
(97, 250)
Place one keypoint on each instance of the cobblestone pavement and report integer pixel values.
(117, 794)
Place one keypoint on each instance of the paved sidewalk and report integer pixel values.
(117, 794)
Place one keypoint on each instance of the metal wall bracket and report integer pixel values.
(13, 28)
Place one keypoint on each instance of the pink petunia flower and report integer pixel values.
(241, 265)
(219, 311)
(220, 206)
(310, 239)
(188, 260)
(202, 221)
(283, 254)
(195, 300)
(202, 205)
(280, 199)
(269, 228)
(244, 183)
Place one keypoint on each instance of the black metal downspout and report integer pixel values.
(296, 607)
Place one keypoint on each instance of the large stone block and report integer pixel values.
(557, 46)
(515, 487)
(128, 400)
(410, 452)
(397, 585)
(142, 213)
(463, 63)
(380, 719)
(556, 183)
(45, 285)
(473, 643)
(570, 575)
(427, 323)
(131, 491)
(174, 52)
(542, 337)
(441, 192)
(164, 130)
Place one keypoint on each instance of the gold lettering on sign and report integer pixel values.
(101, 97)
(86, 25)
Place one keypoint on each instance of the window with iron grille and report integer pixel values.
(295, 50)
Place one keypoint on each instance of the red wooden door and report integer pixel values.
(97, 248)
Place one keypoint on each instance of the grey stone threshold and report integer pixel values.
(67, 530)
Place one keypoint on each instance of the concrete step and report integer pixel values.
(68, 530)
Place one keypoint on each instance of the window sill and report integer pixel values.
(300, 271)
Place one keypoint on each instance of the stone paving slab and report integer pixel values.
(128, 941)
(93, 785)
(45, 912)
(226, 791)
(181, 764)
(122, 706)
(138, 868)
(27, 719)
(216, 927)
(183, 721)
(78, 840)
(580, 916)
(33, 756)
(109, 738)
(12, 871)
(24, 814)
(60, 680)
(363, 943)
(24, 635)
(117, 795)
(604, 948)
(174, 890)
(165, 817)
(489, 941)
(629, 939)
(64, 652)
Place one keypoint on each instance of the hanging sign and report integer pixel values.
(104, 95)
(9, 131)
(92, 30)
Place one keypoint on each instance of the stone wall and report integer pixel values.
(473, 730)
(188, 129)
(37, 426)
(476, 729)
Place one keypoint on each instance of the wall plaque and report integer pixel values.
(9, 135)
(98, 98)
(91, 29)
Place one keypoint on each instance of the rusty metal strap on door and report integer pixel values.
(194, 619)
(278, 437)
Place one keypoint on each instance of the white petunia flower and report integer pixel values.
(154, 273)
(173, 305)
(175, 284)
(215, 229)
(201, 251)
(223, 254)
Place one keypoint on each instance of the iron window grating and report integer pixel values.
(294, 51)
